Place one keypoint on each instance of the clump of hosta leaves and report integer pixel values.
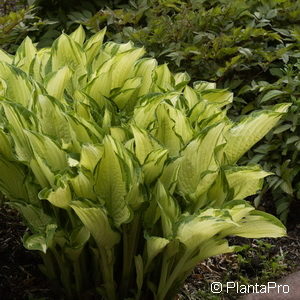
(125, 174)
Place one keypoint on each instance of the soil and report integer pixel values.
(20, 277)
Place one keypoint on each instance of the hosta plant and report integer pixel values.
(125, 175)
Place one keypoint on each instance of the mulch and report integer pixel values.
(20, 277)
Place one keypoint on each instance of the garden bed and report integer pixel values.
(262, 260)
(257, 261)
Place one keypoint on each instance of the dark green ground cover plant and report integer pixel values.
(18, 21)
(125, 175)
(250, 47)
(43, 21)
